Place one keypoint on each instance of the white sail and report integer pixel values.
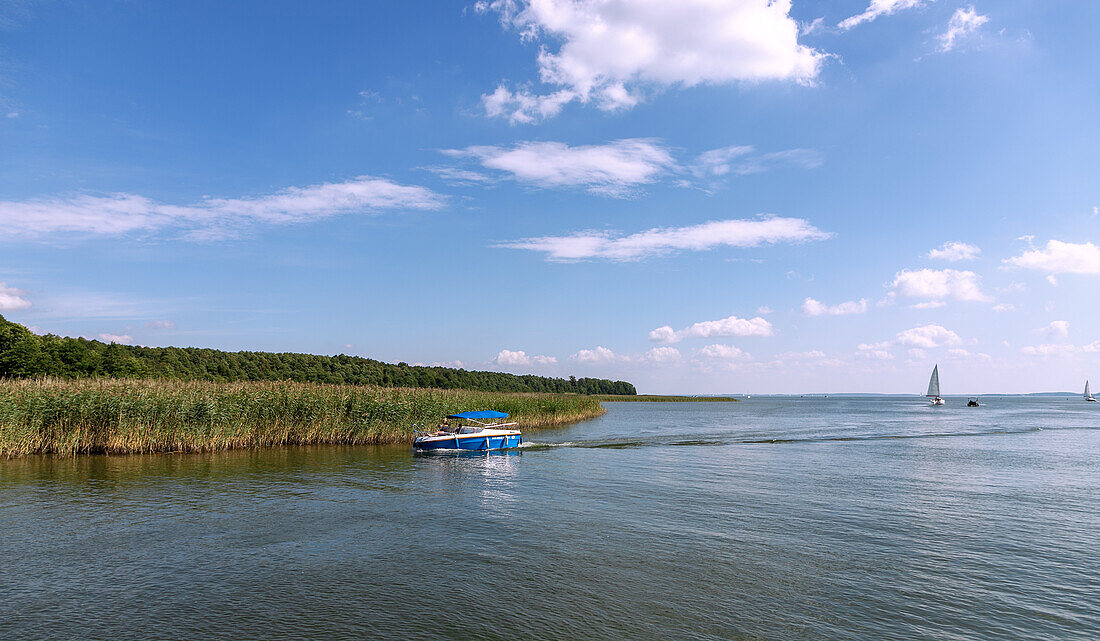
(1088, 394)
(934, 383)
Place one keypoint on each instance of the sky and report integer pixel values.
(697, 196)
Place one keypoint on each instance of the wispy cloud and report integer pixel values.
(1048, 349)
(590, 245)
(812, 307)
(611, 53)
(876, 9)
(616, 168)
(964, 22)
(725, 327)
(954, 251)
(212, 218)
(121, 339)
(1058, 328)
(620, 168)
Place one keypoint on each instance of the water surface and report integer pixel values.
(774, 518)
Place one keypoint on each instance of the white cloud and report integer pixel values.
(663, 354)
(813, 354)
(211, 218)
(813, 307)
(167, 324)
(616, 168)
(663, 240)
(729, 326)
(1048, 349)
(931, 304)
(1058, 328)
(963, 23)
(598, 355)
(122, 339)
(722, 352)
(878, 8)
(12, 299)
(764, 309)
(954, 251)
(928, 337)
(610, 52)
(1092, 347)
(1060, 258)
(938, 284)
(1004, 307)
(519, 357)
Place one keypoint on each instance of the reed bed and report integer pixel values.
(123, 416)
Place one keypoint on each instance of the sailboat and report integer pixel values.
(934, 387)
(1088, 394)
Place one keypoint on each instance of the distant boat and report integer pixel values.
(1088, 394)
(934, 387)
(972, 402)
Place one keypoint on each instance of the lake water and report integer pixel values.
(773, 518)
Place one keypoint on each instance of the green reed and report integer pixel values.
(86, 416)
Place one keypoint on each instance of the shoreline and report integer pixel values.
(70, 417)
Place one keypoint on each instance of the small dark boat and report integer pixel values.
(973, 402)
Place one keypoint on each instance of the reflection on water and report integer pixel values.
(874, 518)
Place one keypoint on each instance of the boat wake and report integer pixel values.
(711, 441)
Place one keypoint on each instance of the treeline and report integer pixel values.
(25, 354)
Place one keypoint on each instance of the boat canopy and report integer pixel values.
(480, 414)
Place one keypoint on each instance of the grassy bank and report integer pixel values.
(656, 398)
(88, 416)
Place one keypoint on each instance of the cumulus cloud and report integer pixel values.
(1060, 258)
(876, 9)
(722, 352)
(1004, 307)
(589, 245)
(955, 251)
(121, 339)
(211, 218)
(729, 326)
(1048, 349)
(519, 357)
(939, 284)
(617, 168)
(963, 23)
(1058, 328)
(598, 355)
(812, 307)
(931, 304)
(610, 52)
(1092, 347)
(12, 299)
(928, 337)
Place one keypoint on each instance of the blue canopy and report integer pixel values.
(480, 414)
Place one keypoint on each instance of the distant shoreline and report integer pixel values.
(659, 398)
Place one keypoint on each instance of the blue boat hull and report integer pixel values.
(477, 443)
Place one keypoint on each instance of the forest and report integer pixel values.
(25, 354)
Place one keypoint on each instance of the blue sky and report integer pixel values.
(725, 196)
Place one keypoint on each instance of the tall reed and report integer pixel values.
(86, 416)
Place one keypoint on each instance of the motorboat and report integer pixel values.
(934, 387)
(972, 402)
(471, 431)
